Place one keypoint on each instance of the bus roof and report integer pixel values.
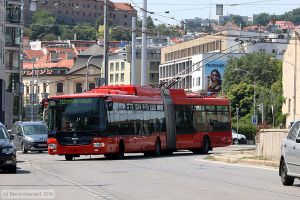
(142, 93)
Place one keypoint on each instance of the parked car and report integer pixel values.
(30, 136)
(8, 160)
(289, 167)
(238, 138)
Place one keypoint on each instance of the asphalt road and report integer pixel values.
(180, 176)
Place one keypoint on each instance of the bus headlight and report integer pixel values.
(52, 146)
(98, 145)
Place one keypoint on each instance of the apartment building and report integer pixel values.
(290, 82)
(120, 64)
(10, 62)
(77, 11)
(2, 66)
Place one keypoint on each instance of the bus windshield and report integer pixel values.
(78, 114)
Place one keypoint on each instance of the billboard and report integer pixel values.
(214, 72)
(219, 9)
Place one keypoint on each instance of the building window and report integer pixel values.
(59, 87)
(122, 77)
(111, 68)
(198, 81)
(111, 78)
(78, 88)
(117, 66)
(117, 78)
(91, 86)
(122, 66)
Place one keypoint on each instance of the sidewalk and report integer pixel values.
(247, 157)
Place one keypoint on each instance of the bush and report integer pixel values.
(245, 127)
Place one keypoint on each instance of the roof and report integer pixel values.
(61, 49)
(30, 54)
(45, 63)
(123, 6)
(94, 50)
(81, 63)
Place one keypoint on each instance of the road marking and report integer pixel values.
(87, 189)
(237, 165)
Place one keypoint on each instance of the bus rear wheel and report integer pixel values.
(121, 152)
(205, 146)
(69, 157)
(157, 148)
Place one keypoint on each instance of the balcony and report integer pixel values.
(14, 14)
(13, 37)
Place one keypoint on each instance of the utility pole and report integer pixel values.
(237, 124)
(32, 91)
(106, 43)
(133, 52)
(144, 46)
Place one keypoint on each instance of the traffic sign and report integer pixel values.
(254, 119)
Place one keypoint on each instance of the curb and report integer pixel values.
(248, 161)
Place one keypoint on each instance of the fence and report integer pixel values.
(269, 142)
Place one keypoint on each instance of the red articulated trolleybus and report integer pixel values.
(113, 120)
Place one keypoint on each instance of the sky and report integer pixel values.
(189, 9)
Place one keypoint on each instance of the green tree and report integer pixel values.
(150, 23)
(27, 31)
(43, 17)
(262, 19)
(263, 70)
(100, 33)
(293, 16)
(39, 32)
(50, 37)
(119, 34)
(237, 19)
(66, 33)
(43, 23)
(259, 67)
(85, 31)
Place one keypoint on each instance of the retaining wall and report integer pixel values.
(269, 142)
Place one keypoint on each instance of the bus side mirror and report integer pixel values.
(109, 106)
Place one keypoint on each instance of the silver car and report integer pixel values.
(289, 167)
(30, 136)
